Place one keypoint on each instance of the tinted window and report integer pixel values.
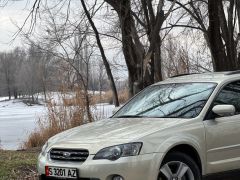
(230, 94)
(185, 100)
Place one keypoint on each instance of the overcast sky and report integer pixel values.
(13, 12)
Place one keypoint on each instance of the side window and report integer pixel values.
(230, 94)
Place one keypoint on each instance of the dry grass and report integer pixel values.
(66, 112)
(107, 97)
(69, 113)
(18, 165)
(123, 96)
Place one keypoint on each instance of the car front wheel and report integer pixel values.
(179, 166)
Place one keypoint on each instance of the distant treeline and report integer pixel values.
(25, 72)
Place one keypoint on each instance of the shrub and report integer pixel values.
(62, 114)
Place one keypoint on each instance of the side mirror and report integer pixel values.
(115, 109)
(224, 110)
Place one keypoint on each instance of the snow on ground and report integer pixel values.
(101, 111)
(18, 120)
(3, 98)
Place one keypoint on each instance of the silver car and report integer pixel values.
(184, 128)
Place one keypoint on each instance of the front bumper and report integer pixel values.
(141, 167)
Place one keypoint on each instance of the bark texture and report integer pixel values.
(144, 64)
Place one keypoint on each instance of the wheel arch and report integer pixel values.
(188, 150)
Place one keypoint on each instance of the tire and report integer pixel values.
(41, 178)
(179, 166)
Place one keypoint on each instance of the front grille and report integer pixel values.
(79, 155)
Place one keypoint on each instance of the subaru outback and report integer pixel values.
(183, 128)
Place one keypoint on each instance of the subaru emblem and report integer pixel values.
(66, 154)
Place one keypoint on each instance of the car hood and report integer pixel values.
(108, 132)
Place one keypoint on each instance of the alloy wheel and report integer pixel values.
(176, 170)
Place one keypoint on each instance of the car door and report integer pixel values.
(223, 133)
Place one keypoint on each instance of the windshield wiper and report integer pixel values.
(129, 116)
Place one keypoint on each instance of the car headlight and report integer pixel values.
(44, 149)
(115, 152)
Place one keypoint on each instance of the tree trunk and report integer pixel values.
(238, 15)
(87, 100)
(215, 39)
(133, 55)
(133, 49)
(9, 93)
(158, 61)
(105, 61)
(15, 94)
(227, 29)
(8, 88)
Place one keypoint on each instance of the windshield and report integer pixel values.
(185, 100)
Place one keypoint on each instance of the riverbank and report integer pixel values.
(18, 120)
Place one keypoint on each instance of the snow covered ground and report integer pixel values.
(18, 120)
(101, 111)
(3, 98)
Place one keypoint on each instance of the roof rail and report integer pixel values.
(233, 72)
(186, 74)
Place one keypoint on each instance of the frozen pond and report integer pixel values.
(18, 120)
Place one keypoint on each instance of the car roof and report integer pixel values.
(216, 77)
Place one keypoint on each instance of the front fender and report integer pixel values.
(192, 135)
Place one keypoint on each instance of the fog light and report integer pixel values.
(117, 178)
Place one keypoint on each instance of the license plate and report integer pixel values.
(61, 172)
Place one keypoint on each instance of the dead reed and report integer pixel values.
(65, 111)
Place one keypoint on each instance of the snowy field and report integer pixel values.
(18, 120)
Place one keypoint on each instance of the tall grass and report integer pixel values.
(107, 97)
(64, 112)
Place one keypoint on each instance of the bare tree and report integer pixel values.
(140, 24)
(5, 62)
(32, 17)
(219, 23)
(72, 51)
(181, 57)
(104, 58)
(176, 59)
(137, 19)
(10, 63)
